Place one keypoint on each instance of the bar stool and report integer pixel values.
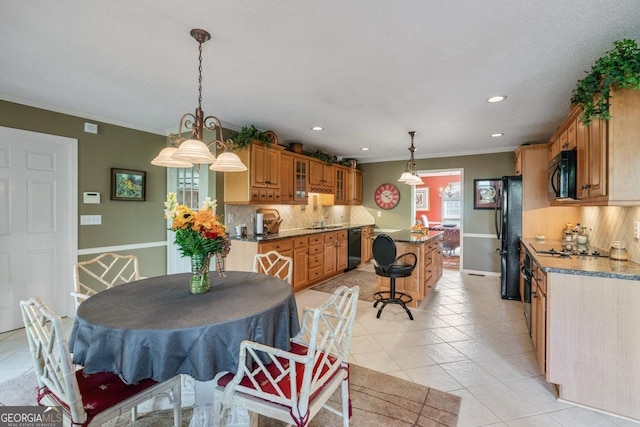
(387, 265)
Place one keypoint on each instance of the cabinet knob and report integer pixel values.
(534, 294)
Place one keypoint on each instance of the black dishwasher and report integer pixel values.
(355, 247)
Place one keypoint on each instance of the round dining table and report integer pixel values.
(154, 328)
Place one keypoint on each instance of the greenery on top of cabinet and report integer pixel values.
(619, 67)
(325, 157)
(248, 134)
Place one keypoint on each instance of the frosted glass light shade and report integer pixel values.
(228, 162)
(414, 180)
(194, 151)
(164, 158)
(406, 176)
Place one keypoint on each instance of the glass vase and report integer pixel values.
(199, 282)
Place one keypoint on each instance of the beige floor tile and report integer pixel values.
(577, 416)
(378, 361)
(473, 413)
(468, 373)
(433, 376)
(503, 402)
(450, 334)
(411, 357)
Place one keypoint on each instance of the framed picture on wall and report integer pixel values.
(127, 184)
(485, 193)
(422, 199)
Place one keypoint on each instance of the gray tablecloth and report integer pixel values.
(154, 328)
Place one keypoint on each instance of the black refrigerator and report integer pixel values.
(508, 222)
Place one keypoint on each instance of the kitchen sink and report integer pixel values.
(326, 227)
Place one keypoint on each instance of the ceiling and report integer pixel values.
(368, 71)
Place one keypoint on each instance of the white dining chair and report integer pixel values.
(101, 273)
(84, 399)
(274, 263)
(292, 386)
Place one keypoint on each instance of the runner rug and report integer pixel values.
(365, 279)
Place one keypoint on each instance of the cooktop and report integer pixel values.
(566, 249)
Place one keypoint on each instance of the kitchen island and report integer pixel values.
(428, 249)
(584, 328)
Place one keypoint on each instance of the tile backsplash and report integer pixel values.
(610, 223)
(297, 216)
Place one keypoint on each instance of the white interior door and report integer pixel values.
(38, 227)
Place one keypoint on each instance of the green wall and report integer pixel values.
(142, 222)
(478, 251)
(114, 146)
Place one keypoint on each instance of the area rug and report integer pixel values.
(365, 279)
(377, 400)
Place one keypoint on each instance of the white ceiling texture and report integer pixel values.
(368, 71)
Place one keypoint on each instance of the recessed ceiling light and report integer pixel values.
(317, 128)
(496, 98)
(364, 149)
(495, 135)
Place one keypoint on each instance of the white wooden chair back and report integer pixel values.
(57, 381)
(274, 264)
(103, 272)
(292, 386)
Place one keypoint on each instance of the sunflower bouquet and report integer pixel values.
(198, 233)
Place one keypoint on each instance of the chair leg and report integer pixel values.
(176, 391)
(345, 402)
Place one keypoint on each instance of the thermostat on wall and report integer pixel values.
(91, 198)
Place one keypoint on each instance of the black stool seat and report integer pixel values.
(388, 265)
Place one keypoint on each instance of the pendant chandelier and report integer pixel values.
(451, 191)
(410, 176)
(184, 153)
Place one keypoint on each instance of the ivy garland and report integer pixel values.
(617, 68)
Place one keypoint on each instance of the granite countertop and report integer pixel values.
(295, 233)
(406, 236)
(584, 265)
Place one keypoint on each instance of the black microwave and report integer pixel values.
(561, 179)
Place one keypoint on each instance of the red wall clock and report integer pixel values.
(387, 196)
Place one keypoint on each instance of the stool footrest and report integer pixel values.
(394, 297)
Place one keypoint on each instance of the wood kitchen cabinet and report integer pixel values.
(330, 253)
(300, 179)
(366, 243)
(261, 182)
(593, 341)
(315, 260)
(539, 316)
(592, 155)
(316, 257)
(286, 178)
(321, 179)
(354, 187)
(283, 246)
(340, 185)
(300, 267)
(608, 153)
(342, 255)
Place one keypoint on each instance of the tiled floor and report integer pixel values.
(464, 340)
